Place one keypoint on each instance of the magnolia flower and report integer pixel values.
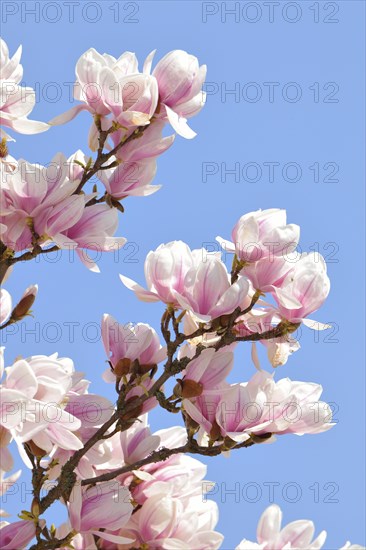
(104, 506)
(18, 534)
(130, 179)
(304, 289)
(126, 343)
(180, 80)
(262, 406)
(296, 535)
(292, 407)
(267, 272)
(94, 230)
(33, 404)
(262, 234)
(165, 271)
(260, 320)
(166, 522)
(207, 291)
(39, 199)
(16, 102)
(181, 476)
(149, 145)
(110, 86)
(205, 372)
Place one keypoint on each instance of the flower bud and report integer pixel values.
(190, 388)
(122, 367)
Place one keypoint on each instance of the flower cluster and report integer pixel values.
(123, 486)
(43, 206)
(199, 283)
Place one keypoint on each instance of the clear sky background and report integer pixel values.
(313, 54)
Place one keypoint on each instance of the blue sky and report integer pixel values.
(283, 127)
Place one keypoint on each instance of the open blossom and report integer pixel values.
(94, 230)
(130, 179)
(166, 522)
(180, 79)
(126, 343)
(33, 403)
(40, 197)
(267, 273)
(16, 102)
(165, 271)
(107, 85)
(94, 509)
(193, 280)
(304, 289)
(149, 145)
(205, 372)
(262, 234)
(262, 406)
(207, 291)
(295, 535)
(18, 534)
(260, 320)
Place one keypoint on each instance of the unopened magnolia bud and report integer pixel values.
(122, 367)
(215, 432)
(132, 414)
(23, 307)
(190, 388)
(35, 450)
(35, 508)
(144, 369)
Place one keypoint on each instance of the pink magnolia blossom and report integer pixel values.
(263, 406)
(95, 230)
(166, 522)
(304, 289)
(132, 342)
(267, 272)
(104, 506)
(130, 179)
(202, 410)
(262, 234)
(110, 86)
(18, 534)
(179, 477)
(16, 102)
(138, 442)
(207, 371)
(294, 536)
(149, 145)
(260, 320)
(165, 271)
(180, 80)
(207, 291)
(33, 403)
(41, 196)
